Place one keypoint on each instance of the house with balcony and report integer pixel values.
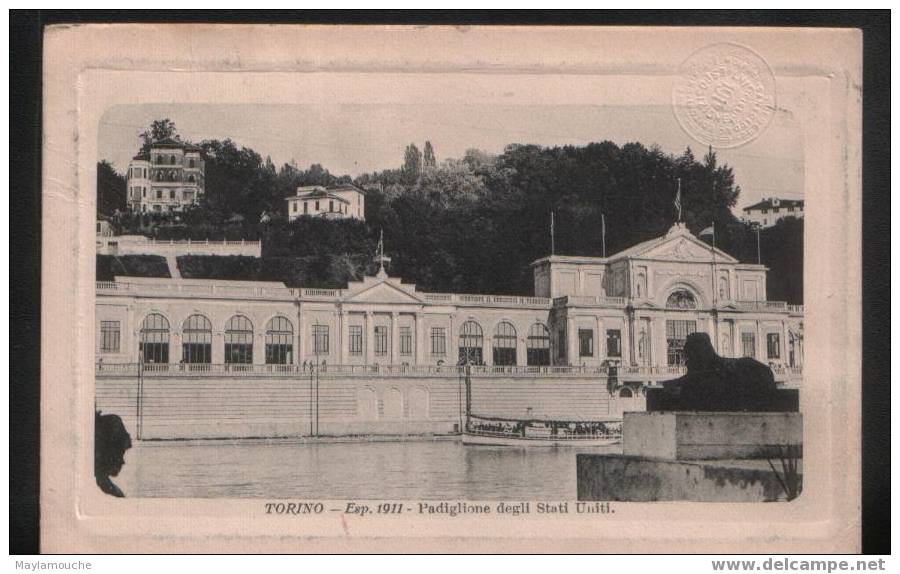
(168, 178)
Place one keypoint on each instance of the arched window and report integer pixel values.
(196, 340)
(471, 340)
(505, 344)
(538, 345)
(681, 299)
(239, 340)
(279, 342)
(625, 393)
(154, 340)
(172, 159)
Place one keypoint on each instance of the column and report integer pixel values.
(395, 338)
(218, 346)
(174, 346)
(760, 348)
(571, 341)
(418, 327)
(259, 345)
(341, 342)
(368, 343)
(658, 356)
(599, 339)
(298, 356)
(452, 343)
(784, 343)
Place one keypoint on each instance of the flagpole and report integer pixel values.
(678, 202)
(758, 251)
(552, 236)
(714, 262)
(603, 226)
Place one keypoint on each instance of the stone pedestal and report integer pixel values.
(701, 456)
(635, 479)
(709, 436)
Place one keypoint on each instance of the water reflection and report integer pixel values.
(386, 470)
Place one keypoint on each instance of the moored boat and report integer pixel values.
(494, 431)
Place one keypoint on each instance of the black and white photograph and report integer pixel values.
(480, 276)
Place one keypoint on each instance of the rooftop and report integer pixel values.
(770, 203)
(173, 143)
(305, 190)
(319, 193)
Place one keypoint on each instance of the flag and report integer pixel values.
(711, 230)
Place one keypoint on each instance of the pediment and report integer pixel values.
(686, 248)
(387, 291)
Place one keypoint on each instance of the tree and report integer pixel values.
(159, 130)
(412, 163)
(428, 160)
(111, 189)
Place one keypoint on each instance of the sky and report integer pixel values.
(354, 139)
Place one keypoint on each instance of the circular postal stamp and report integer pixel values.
(724, 95)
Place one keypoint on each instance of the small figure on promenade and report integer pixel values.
(111, 440)
(714, 383)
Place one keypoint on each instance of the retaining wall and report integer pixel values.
(173, 407)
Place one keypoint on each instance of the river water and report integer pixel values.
(362, 470)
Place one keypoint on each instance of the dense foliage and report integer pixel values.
(472, 224)
(110, 190)
(108, 266)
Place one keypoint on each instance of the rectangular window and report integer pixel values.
(405, 341)
(305, 207)
(561, 343)
(317, 206)
(158, 194)
(294, 207)
(613, 343)
(748, 345)
(676, 333)
(320, 339)
(438, 341)
(330, 205)
(585, 342)
(765, 211)
(145, 191)
(773, 346)
(356, 340)
(110, 335)
(171, 194)
(381, 340)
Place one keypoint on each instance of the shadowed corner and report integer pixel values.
(111, 440)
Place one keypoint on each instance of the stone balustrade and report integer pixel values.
(238, 369)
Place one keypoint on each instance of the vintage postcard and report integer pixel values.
(439, 289)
